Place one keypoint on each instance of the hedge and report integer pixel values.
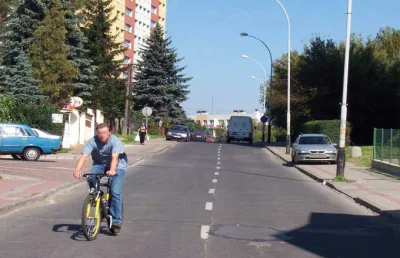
(34, 114)
(328, 127)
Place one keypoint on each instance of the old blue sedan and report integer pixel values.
(19, 141)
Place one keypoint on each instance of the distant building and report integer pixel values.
(211, 121)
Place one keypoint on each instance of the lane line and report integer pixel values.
(218, 168)
(211, 191)
(215, 180)
(204, 231)
(218, 158)
(61, 168)
(217, 173)
(209, 206)
(218, 163)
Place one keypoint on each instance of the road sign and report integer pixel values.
(146, 111)
(264, 119)
(57, 118)
(75, 102)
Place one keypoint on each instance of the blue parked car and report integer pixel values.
(20, 141)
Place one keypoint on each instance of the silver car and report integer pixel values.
(314, 148)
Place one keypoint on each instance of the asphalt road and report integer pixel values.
(208, 200)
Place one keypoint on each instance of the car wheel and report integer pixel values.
(294, 159)
(31, 154)
(16, 156)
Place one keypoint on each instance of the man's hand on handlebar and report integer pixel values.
(77, 174)
(111, 173)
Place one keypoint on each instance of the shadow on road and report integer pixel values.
(76, 231)
(326, 235)
(26, 162)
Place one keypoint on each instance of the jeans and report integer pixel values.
(117, 183)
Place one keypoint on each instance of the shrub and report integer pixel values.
(37, 115)
(328, 127)
(220, 134)
(7, 105)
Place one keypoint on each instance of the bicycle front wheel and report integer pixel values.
(91, 217)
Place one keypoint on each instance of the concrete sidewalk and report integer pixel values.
(22, 182)
(372, 190)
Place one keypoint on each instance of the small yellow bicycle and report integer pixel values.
(96, 208)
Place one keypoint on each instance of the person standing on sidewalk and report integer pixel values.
(142, 133)
(109, 158)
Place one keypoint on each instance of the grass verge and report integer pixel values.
(363, 161)
(343, 179)
(64, 150)
(130, 139)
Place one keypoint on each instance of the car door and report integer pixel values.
(14, 139)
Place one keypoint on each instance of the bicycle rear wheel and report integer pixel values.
(91, 217)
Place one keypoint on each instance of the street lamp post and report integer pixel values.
(288, 83)
(264, 86)
(244, 34)
(343, 113)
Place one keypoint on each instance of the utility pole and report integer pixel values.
(343, 112)
(127, 115)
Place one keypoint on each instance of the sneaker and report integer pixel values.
(92, 190)
(116, 227)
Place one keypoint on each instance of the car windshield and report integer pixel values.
(178, 128)
(314, 140)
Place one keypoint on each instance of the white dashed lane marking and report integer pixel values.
(217, 173)
(218, 168)
(204, 231)
(211, 191)
(214, 180)
(209, 206)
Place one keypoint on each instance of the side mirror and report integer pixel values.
(335, 145)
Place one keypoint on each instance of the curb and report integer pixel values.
(43, 196)
(392, 214)
(36, 198)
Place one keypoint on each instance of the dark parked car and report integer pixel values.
(178, 132)
(199, 136)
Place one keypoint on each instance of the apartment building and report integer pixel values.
(136, 18)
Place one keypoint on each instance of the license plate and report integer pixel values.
(318, 156)
(198, 136)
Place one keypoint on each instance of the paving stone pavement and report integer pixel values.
(375, 191)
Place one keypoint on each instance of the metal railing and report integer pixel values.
(387, 145)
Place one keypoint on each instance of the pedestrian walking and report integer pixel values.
(142, 133)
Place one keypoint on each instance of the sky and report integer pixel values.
(206, 34)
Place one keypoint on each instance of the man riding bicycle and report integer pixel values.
(108, 157)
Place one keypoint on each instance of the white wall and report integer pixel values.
(76, 130)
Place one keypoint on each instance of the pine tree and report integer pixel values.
(159, 82)
(21, 83)
(15, 40)
(49, 56)
(79, 55)
(108, 92)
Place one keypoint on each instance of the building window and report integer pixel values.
(221, 122)
(128, 28)
(127, 44)
(127, 60)
(154, 9)
(198, 122)
(128, 12)
(204, 122)
(153, 24)
(211, 122)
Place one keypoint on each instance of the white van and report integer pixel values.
(240, 128)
